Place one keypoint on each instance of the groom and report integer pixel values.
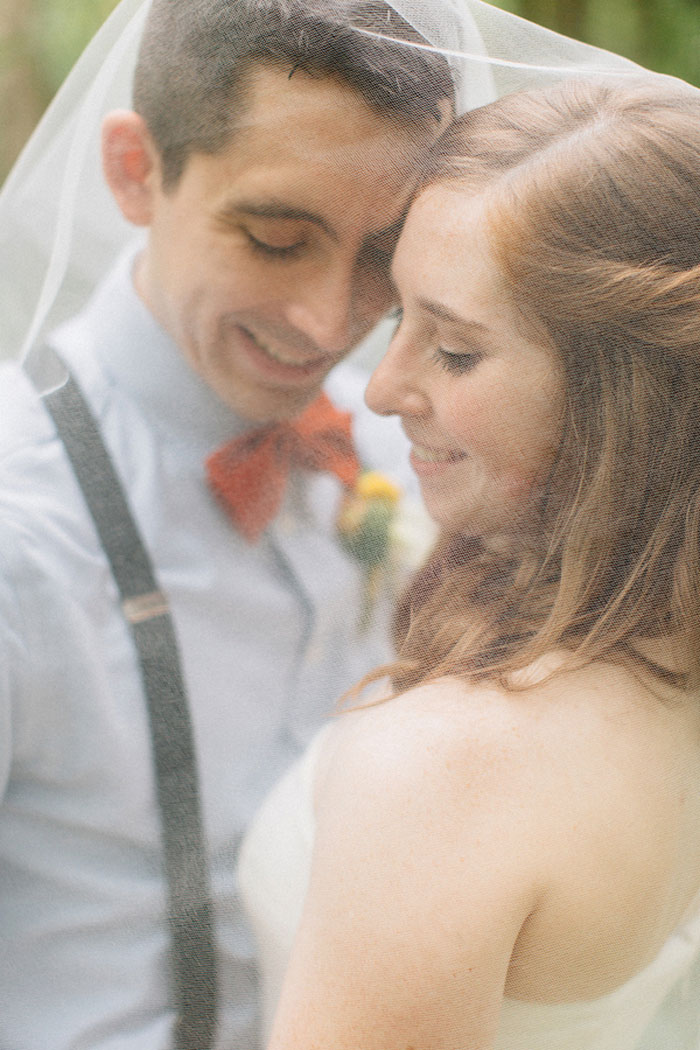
(268, 161)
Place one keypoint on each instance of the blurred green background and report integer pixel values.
(40, 40)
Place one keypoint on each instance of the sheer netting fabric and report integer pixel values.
(60, 228)
(572, 175)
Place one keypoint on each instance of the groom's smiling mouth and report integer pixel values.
(286, 363)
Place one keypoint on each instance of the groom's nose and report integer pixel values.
(324, 310)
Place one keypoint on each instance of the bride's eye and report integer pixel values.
(456, 363)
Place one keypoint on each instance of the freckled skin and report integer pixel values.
(470, 386)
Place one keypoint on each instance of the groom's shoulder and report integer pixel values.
(36, 482)
(23, 422)
(28, 483)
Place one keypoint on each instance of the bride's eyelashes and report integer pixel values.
(456, 363)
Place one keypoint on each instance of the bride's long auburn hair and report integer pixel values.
(592, 195)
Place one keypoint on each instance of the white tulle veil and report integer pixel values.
(59, 226)
(60, 229)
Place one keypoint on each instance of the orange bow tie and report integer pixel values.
(249, 475)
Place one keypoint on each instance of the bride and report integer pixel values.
(501, 849)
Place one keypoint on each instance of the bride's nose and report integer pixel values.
(396, 386)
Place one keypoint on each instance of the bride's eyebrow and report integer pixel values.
(443, 313)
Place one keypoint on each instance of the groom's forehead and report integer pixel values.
(308, 125)
(190, 82)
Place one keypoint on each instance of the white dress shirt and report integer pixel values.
(269, 639)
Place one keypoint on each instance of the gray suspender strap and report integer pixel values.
(146, 609)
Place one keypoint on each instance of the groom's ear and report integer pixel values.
(131, 165)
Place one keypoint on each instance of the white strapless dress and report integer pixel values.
(274, 870)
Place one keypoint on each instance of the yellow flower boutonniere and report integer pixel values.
(365, 530)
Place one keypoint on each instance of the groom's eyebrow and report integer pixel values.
(279, 210)
(273, 209)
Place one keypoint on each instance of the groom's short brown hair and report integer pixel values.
(189, 84)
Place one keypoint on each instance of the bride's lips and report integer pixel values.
(428, 461)
(280, 365)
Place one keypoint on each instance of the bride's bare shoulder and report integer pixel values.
(453, 732)
(442, 735)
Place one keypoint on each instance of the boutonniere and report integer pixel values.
(387, 534)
